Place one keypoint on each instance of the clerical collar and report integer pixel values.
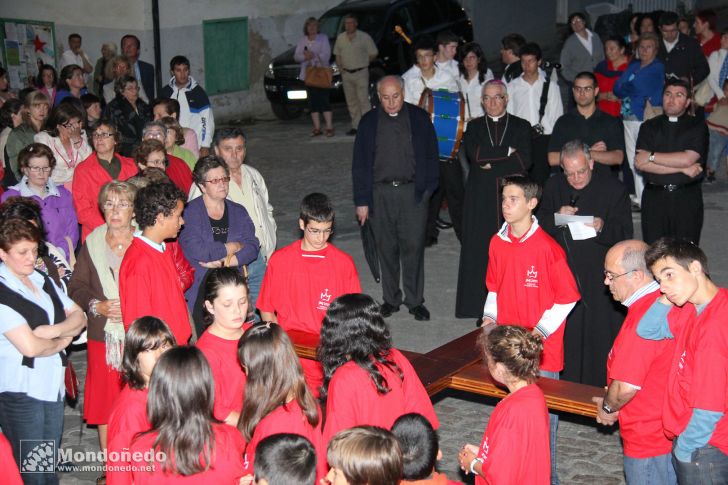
(496, 119)
(673, 119)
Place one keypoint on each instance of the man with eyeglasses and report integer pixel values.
(587, 189)
(637, 371)
(602, 132)
(682, 55)
(303, 278)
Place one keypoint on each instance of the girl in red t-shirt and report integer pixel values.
(145, 341)
(277, 399)
(225, 311)
(515, 447)
(185, 444)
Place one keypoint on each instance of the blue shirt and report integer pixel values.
(45, 380)
(637, 85)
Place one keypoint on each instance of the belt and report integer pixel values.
(395, 183)
(670, 187)
(352, 71)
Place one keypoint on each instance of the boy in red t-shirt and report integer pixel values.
(303, 278)
(529, 281)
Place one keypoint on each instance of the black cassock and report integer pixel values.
(596, 319)
(486, 142)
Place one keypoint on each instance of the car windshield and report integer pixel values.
(370, 21)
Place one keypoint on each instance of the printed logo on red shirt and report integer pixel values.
(681, 363)
(484, 449)
(531, 278)
(324, 300)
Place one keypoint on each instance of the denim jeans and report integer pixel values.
(716, 149)
(256, 270)
(26, 418)
(708, 466)
(554, 425)
(656, 470)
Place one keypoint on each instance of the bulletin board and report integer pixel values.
(25, 44)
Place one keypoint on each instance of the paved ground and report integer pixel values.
(295, 165)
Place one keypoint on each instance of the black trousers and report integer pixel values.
(398, 222)
(677, 214)
(452, 188)
(540, 171)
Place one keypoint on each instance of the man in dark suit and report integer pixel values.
(682, 56)
(395, 170)
(142, 71)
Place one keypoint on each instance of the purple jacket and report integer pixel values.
(57, 212)
(199, 245)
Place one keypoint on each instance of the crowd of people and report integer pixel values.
(128, 223)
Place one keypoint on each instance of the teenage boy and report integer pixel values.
(148, 278)
(529, 281)
(304, 277)
(420, 451)
(195, 110)
(425, 74)
(696, 402)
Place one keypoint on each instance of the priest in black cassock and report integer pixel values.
(588, 189)
(494, 146)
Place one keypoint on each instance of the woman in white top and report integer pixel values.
(715, 61)
(474, 72)
(65, 136)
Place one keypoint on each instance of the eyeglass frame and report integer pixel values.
(217, 181)
(611, 277)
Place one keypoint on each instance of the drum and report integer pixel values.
(447, 112)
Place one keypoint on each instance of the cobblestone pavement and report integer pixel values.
(294, 165)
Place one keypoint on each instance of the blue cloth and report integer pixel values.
(637, 85)
(45, 380)
(716, 148)
(696, 434)
(424, 143)
(656, 470)
(723, 72)
(654, 324)
(554, 427)
(256, 271)
(36, 423)
(198, 243)
(144, 72)
(61, 94)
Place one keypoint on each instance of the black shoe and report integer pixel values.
(442, 224)
(421, 313)
(431, 241)
(479, 322)
(351, 132)
(710, 178)
(386, 309)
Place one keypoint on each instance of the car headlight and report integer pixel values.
(335, 69)
(269, 73)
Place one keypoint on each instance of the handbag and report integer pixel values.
(703, 93)
(318, 77)
(71, 380)
(651, 111)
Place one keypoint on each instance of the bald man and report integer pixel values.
(637, 371)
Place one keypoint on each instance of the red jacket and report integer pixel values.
(179, 173)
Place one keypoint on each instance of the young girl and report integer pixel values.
(366, 381)
(515, 447)
(365, 455)
(226, 308)
(277, 399)
(186, 440)
(146, 340)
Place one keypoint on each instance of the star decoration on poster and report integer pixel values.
(39, 44)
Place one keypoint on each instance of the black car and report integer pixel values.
(378, 18)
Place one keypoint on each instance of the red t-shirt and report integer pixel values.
(288, 418)
(7, 459)
(353, 399)
(149, 285)
(435, 479)
(646, 364)
(226, 467)
(179, 173)
(699, 370)
(128, 417)
(515, 446)
(298, 287)
(226, 371)
(530, 275)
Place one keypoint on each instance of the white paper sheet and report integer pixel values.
(577, 225)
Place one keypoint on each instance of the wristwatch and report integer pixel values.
(606, 408)
(652, 157)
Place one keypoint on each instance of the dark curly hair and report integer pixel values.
(354, 330)
(514, 347)
(156, 199)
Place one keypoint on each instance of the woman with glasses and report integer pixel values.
(36, 163)
(100, 168)
(71, 83)
(129, 113)
(94, 287)
(217, 232)
(65, 136)
(176, 169)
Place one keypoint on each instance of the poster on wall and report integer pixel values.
(26, 45)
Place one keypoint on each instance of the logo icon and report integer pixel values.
(532, 273)
(38, 456)
(325, 295)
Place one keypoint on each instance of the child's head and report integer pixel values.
(512, 353)
(283, 459)
(316, 221)
(519, 198)
(146, 340)
(424, 50)
(418, 442)
(364, 455)
(226, 298)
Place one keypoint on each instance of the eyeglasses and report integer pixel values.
(155, 134)
(111, 205)
(221, 180)
(100, 135)
(40, 169)
(71, 124)
(583, 89)
(317, 232)
(131, 88)
(162, 163)
(497, 97)
(611, 277)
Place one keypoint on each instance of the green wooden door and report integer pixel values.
(226, 55)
